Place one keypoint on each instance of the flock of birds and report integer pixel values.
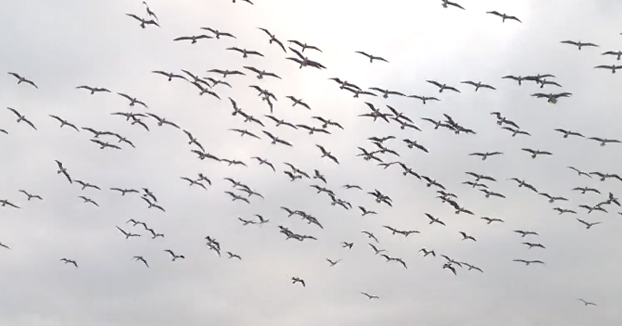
(380, 150)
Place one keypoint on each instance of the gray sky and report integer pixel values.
(68, 43)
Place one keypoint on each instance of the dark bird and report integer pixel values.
(261, 73)
(617, 54)
(613, 68)
(21, 118)
(328, 154)
(169, 75)
(552, 98)
(587, 225)
(21, 79)
(140, 258)
(569, 133)
(133, 100)
(579, 44)
(276, 139)
(144, 22)
(424, 99)
(466, 236)
(446, 4)
(478, 85)
(297, 101)
(30, 196)
(64, 122)
(369, 296)
(88, 200)
(245, 52)
(304, 46)
(193, 39)
(273, 39)
(94, 90)
(150, 13)
(372, 57)
(69, 261)
(63, 170)
(587, 303)
(173, 255)
(442, 87)
(504, 16)
(218, 33)
(298, 280)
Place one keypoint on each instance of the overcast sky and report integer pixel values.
(67, 43)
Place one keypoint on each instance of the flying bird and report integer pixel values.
(94, 90)
(21, 117)
(62, 170)
(21, 79)
(372, 57)
(579, 44)
(144, 22)
(193, 39)
(133, 100)
(504, 16)
(447, 4)
(273, 39)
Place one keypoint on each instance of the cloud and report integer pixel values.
(69, 43)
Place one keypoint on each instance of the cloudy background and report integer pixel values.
(66, 43)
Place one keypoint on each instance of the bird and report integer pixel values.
(141, 259)
(261, 73)
(298, 280)
(587, 225)
(297, 101)
(370, 296)
(587, 303)
(447, 4)
(326, 153)
(64, 122)
(333, 262)
(29, 195)
(534, 153)
(62, 170)
(173, 256)
(304, 46)
(569, 133)
(218, 33)
(504, 16)
(21, 118)
(69, 261)
(617, 54)
(133, 100)
(477, 85)
(168, 75)
(88, 200)
(579, 44)
(245, 52)
(604, 141)
(193, 39)
(21, 79)
(442, 87)
(372, 57)
(94, 90)
(491, 220)
(613, 68)
(149, 12)
(434, 219)
(552, 98)
(144, 22)
(275, 139)
(273, 39)
(162, 121)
